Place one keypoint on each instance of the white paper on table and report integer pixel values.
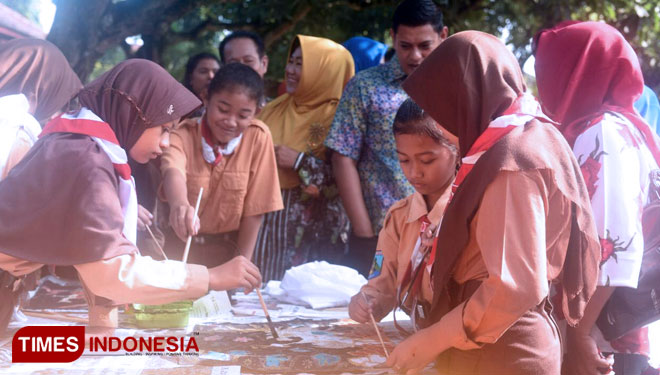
(226, 370)
(213, 304)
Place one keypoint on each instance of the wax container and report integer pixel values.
(170, 315)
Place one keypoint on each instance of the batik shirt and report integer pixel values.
(362, 130)
(615, 164)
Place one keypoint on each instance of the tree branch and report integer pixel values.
(276, 34)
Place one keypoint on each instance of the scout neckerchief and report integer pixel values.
(213, 154)
(87, 123)
(524, 109)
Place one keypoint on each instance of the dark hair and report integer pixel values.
(192, 64)
(236, 76)
(389, 54)
(417, 13)
(411, 119)
(258, 42)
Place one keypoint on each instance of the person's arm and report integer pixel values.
(582, 354)
(380, 290)
(311, 170)
(286, 157)
(174, 188)
(350, 190)
(247, 234)
(346, 139)
(132, 278)
(181, 212)
(144, 218)
(510, 232)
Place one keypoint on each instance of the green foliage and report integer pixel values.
(28, 8)
(638, 20)
(105, 63)
(339, 20)
(278, 21)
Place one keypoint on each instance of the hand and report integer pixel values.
(144, 218)
(414, 353)
(285, 156)
(311, 190)
(183, 221)
(428, 237)
(583, 357)
(359, 309)
(237, 273)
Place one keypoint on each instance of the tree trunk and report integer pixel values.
(76, 32)
(85, 29)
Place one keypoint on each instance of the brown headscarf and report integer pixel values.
(59, 205)
(37, 69)
(467, 82)
(135, 95)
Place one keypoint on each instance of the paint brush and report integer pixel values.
(185, 252)
(270, 322)
(382, 343)
(156, 241)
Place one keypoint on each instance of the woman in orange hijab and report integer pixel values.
(313, 221)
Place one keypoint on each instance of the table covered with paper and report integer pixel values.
(309, 313)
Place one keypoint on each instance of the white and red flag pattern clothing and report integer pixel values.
(87, 123)
(616, 164)
(591, 93)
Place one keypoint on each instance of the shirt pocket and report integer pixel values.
(193, 183)
(233, 190)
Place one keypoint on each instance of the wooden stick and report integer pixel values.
(270, 322)
(56, 316)
(156, 241)
(382, 343)
(185, 252)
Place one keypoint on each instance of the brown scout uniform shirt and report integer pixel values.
(396, 241)
(244, 183)
(517, 245)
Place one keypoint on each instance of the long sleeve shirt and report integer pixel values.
(518, 243)
(129, 278)
(396, 242)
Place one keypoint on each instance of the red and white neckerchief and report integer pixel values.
(213, 154)
(524, 109)
(88, 123)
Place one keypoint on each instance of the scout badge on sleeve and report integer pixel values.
(377, 265)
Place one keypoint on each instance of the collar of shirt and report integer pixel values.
(392, 71)
(417, 208)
